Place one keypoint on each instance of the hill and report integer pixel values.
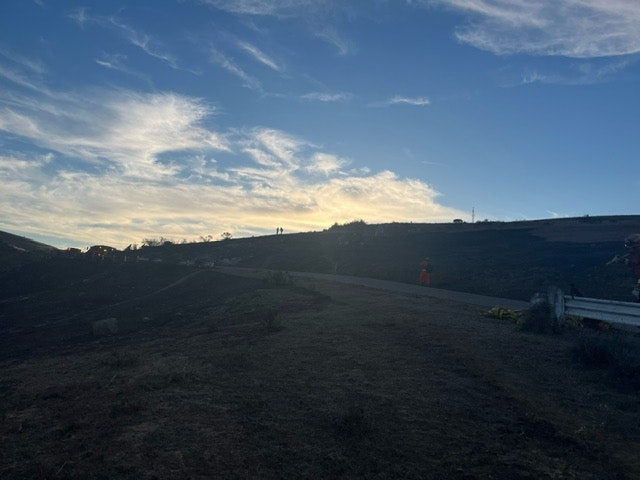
(164, 369)
(16, 250)
(9, 241)
(502, 259)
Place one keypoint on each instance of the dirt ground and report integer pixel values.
(317, 380)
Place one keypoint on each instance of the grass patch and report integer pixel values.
(270, 320)
(120, 359)
(352, 424)
(128, 406)
(278, 279)
(619, 354)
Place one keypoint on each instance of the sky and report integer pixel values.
(127, 120)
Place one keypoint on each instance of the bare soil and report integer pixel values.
(245, 379)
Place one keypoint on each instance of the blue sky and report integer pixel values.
(126, 120)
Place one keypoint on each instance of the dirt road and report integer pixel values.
(462, 297)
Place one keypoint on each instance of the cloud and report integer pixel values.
(218, 58)
(122, 131)
(402, 100)
(119, 210)
(326, 97)
(277, 8)
(570, 28)
(79, 15)
(325, 164)
(416, 101)
(26, 63)
(117, 62)
(22, 71)
(148, 44)
(580, 72)
(118, 166)
(260, 56)
(332, 37)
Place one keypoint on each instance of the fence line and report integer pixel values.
(625, 313)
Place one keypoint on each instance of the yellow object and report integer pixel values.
(499, 312)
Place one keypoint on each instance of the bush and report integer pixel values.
(621, 355)
(270, 320)
(278, 278)
(537, 319)
(120, 359)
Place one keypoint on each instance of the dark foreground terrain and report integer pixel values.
(215, 376)
(166, 368)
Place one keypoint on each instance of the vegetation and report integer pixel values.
(313, 380)
(265, 377)
(618, 354)
(538, 319)
(352, 226)
(278, 278)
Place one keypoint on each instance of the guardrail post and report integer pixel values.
(555, 297)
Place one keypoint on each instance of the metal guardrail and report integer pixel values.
(625, 313)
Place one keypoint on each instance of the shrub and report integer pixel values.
(537, 319)
(270, 320)
(621, 355)
(120, 359)
(278, 278)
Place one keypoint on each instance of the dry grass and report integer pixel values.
(353, 383)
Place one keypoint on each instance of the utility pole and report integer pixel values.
(473, 215)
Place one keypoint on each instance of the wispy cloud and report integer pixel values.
(218, 58)
(79, 15)
(260, 56)
(580, 29)
(34, 66)
(580, 72)
(311, 13)
(277, 8)
(20, 78)
(147, 43)
(402, 100)
(326, 97)
(415, 101)
(334, 38)
(117, 62)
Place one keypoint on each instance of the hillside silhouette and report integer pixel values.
(502, 259)
(162, 366)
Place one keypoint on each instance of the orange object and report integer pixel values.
(424, 277)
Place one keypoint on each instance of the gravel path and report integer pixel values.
(468, 298)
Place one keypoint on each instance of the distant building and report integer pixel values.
(101, 252)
